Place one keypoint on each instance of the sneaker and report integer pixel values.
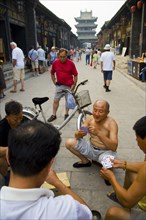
(65, 116)
(52, 118)
(38, 74)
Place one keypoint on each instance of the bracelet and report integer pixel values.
(125, 165)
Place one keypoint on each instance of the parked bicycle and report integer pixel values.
(82, 100)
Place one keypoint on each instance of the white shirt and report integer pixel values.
(107, 58)
(88, 51)
(17, 54)
(41, 54)
(39, 203)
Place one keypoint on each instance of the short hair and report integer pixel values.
(13, 107)
(106, 104)
(13, 44)
(140, 127)
(32, 145)
(63, 50)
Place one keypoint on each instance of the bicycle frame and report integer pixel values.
(59, 127)
(39, 101)
(82, 113)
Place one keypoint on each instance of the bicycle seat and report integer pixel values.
(39, 101)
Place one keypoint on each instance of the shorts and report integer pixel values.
(137, 214)
(58, 94)
(41, 62)
(107, 75)
(18, 74)
(87, 149)
(34, 64)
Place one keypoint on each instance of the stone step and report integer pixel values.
(8, 74)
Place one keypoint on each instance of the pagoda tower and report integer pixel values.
(86, 28)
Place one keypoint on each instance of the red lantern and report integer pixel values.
(133, 8)
(139, 4)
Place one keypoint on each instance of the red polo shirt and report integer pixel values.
(65, 72)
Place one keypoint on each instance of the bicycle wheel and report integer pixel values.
(82, 117)
(29, 113)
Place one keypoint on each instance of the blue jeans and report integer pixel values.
(143, 74)
(87, 58)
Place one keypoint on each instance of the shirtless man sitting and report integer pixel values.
(103, 141)
(132, 196)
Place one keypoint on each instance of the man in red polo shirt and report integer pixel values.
(64, 76)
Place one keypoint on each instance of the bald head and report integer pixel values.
(102, 103)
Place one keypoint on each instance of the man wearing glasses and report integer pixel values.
(64, 76)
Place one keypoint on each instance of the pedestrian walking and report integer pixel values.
(64, 76)
(108, 63)
(33, 56)
(95, 60)
(99, 55)
(77, 55)
(2, 81)
(88, 53)
(53, 55)
(72, 54)
(41, 59)
(18, 67)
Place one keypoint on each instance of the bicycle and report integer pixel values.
(82, 100)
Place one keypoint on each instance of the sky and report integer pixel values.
(104, 10)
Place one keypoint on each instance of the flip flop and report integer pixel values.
(22, 90)
(96, 215)
(79, 165)
(113, 197)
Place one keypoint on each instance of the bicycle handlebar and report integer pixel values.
(84, 82)
(81, 83)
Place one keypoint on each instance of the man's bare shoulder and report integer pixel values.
(143, 170)
(110, 120)
(142, 176)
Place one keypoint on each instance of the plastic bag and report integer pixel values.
(70, 101)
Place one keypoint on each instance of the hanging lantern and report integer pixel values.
(139, 4)
(133, 8)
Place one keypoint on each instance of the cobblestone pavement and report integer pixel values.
(127, 104)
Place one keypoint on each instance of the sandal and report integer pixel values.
(113, 197)
(22, 90)
(52, 118)
(65, 116)
(79, 165)
(96, 215)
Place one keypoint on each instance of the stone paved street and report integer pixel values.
(127, 104)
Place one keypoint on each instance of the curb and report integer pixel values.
(141, 85)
